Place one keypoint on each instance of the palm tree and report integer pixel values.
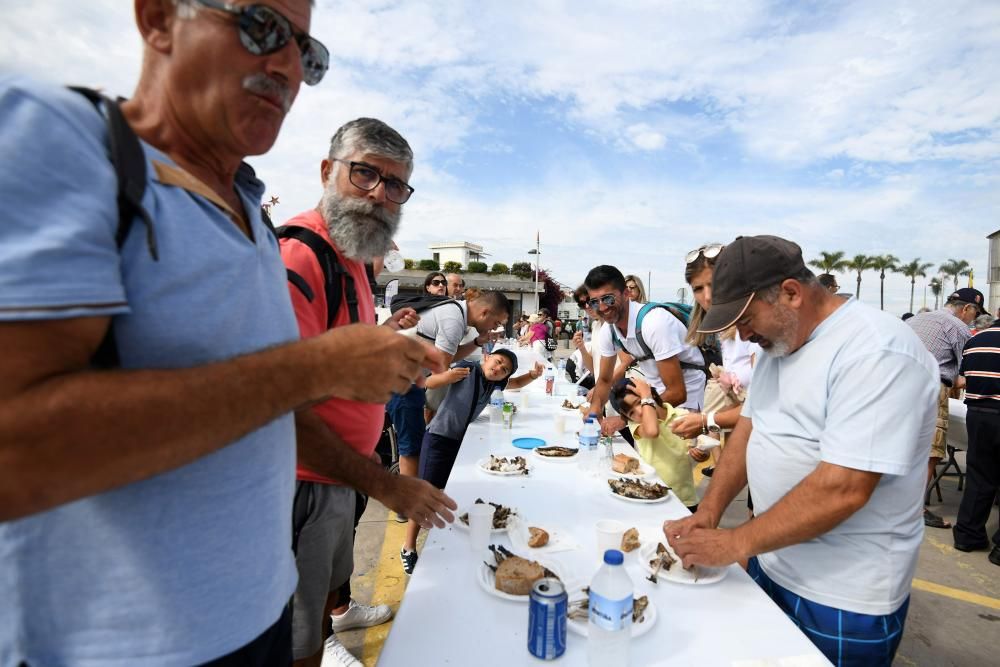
(859, 263)
(955, 268)
(935, 285)
(830, 261)
(881, 263)
(911, 271)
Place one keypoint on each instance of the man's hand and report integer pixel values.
(578, 341)
(370, 363)
(708, 546)
(688, 426)
(681, 527)
(404, 318)
(420, 501)
(611, 425)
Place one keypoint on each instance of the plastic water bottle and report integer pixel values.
(589, 433)
(586, 328)
(609, 631)
(561, 375)
(550, 379)
(496, 407)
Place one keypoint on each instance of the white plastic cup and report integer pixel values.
(480, 526)
(609, 535)
(524, 399)
(560, 423)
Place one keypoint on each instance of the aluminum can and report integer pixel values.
(547, 619)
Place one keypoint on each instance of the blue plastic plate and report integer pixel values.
(527, 443)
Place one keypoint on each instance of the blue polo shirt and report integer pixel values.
(191, 564)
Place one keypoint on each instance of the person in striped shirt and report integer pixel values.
(981, 369)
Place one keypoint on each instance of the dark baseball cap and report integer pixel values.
(510, 356)
(969, 295)
(748, 264)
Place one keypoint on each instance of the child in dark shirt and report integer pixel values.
(470, 385)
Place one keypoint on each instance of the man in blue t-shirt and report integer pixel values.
(145, 510)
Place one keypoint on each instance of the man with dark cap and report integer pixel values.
(944, 332)
(831, 441)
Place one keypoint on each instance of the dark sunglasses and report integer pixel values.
(437, 282)
(607, 300)
(264, 30)
(710, 251)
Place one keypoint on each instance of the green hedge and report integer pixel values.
(453, 267)
(428, 265)
(500, 267)
(477, 267)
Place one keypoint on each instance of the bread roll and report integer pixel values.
(516, 576)
(630, 540)
(537, 537)
(624, 463)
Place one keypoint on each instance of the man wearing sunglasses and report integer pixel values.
(145, 508)
(672, 369)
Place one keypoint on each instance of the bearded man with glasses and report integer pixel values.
(145, 508)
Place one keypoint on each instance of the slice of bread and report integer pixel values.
(624, 463)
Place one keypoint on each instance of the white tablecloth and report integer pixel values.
(447, 619)
(958, 437)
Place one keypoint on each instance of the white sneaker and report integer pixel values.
(361, 616)
(336, 654)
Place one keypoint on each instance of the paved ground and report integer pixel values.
(954, 617)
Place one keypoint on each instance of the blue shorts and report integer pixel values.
(407, 414)
(437, 458)
(847, 639)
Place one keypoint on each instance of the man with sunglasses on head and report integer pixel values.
(364, 188)
(672, 369)
(145, 507)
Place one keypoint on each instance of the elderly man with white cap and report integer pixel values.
(832, 441)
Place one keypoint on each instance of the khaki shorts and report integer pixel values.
(941, 428)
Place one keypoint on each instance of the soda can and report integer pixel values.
(547, 619)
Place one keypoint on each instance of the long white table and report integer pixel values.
(446, 618)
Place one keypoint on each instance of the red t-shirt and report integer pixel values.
(357, 424)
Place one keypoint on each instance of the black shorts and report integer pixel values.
(437, 458)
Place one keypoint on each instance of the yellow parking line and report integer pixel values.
(388, 585)
(956, 594)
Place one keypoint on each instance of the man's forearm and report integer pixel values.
(71, 434)
(817, 504)
(467, 349)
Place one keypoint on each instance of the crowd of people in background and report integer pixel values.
(191, 400)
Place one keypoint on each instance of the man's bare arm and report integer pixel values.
(672, 378)
(603, 385)
(322, 451)
(67, 431)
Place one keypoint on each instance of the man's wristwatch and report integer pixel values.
(647, 401)
(713, 428)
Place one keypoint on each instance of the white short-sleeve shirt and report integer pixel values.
(444, 325)
(664, 334)
(736, 357)
(861, 393)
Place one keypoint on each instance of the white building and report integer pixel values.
(462, 252)
(993, 278)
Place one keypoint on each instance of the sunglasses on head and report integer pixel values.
(607, 300)
(437, 282)
(710, 251)
(264, 30)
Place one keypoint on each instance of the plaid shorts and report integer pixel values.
(847, 639)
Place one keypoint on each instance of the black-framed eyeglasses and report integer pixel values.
(710, 251)
(607, 300)
(367, 178)
(264, 30)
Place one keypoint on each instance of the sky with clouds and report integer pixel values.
(631, 132)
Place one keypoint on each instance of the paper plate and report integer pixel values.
(558, 459)
(483, 464)
(642, 501)
(677, 574)
(464, 526)
(487, 580)
(527, 443)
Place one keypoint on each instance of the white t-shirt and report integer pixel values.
(664, 334)
(444, 325)
(736, 355)
(861, 393)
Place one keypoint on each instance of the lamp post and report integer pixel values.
(537, 253)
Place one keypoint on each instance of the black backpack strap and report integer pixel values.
(336, 279)
(301, 283)
(129, 162)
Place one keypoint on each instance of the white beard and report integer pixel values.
(362, 230)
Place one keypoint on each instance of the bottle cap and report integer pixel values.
(592, 415)
(613, 557)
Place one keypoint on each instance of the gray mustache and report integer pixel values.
(262, 84)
